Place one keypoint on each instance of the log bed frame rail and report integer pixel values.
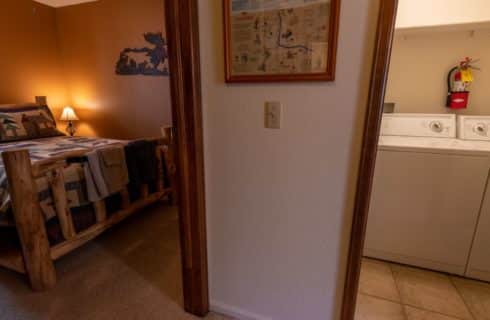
(36, 256)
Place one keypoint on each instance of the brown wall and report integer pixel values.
(29, 54)
(419, 67)
(91, 37)
(69, 54)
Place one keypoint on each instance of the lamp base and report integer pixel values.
(71, 128)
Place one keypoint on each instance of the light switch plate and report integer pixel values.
(273, 115)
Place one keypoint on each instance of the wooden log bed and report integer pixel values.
(35, 257)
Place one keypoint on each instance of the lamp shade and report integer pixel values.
(68, 114)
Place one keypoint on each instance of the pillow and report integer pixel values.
(26, 122)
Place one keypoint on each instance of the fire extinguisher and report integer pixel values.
(458, 81)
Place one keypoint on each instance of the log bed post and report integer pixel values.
(100, 210)
(57, 183)
(29, 220)
(125, 198)
(160, 182)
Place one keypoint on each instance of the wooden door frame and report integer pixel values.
(379, 77)
(185, 81)
(183, 42)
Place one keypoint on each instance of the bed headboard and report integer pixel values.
(18, 105)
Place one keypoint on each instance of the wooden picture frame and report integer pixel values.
(326, 60)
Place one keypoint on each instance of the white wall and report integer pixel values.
(423, 13)
(279, 203)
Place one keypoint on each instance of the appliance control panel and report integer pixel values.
(474, 128)
(419, 125)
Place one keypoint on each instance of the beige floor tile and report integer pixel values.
(417, 314)
(476, 295)
(371, 308)
(429, 291)
(377, 280)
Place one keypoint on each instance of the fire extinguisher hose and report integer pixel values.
(449, 91)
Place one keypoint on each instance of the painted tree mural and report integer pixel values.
(154, 58)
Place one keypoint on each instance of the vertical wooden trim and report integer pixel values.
(381, 63)
(100, 211)
(144, 191)
(57, 184)
(183, 41)
(125, 198)
(29, 220)
(333, 37)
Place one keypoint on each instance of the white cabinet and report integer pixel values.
(424, 209)
(423, 13)
(479, 263)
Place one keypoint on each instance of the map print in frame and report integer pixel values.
(280, 40)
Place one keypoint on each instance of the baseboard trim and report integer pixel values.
(234, 312)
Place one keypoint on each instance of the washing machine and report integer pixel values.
(476, 130)
(428, 191)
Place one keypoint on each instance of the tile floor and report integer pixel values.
(132, 272)
(392, 292)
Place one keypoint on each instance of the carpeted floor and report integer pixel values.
(130, 272)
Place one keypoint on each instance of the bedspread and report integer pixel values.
(41, 149)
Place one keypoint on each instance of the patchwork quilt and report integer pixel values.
(41, 149)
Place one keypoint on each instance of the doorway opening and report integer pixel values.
(95, 208)
(420, 231)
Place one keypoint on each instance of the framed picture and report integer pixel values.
(280, 40)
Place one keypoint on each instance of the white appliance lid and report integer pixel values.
(429, 144)
(474, 128)
(419, 125)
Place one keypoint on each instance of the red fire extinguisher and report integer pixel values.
(458, 81)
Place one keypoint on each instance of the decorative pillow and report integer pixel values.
(26, 122)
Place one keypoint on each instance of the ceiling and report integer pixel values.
(62, 3)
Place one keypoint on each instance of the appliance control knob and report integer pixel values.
(481, 129)
(436, 126)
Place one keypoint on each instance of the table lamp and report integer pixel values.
(70, 116)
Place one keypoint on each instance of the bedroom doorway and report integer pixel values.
(112, 256)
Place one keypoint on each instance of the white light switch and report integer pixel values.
(273, 115)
